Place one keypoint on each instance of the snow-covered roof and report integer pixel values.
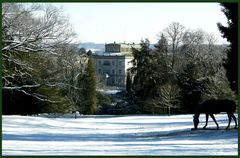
(110, 53)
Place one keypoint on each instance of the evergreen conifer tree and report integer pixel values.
(142, 70)
(162, 61)
(162, 45)
(89, 89)
(191, 87)
(231, 33)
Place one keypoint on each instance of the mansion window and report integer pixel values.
(106, 63)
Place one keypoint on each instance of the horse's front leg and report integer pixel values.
(207, 115)
(212, 116)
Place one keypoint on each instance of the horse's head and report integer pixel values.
(195, 121)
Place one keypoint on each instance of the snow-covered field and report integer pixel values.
(116, 135)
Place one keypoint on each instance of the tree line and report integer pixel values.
(161, 80)
(185, 67)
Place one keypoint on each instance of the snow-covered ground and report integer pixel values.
(116, 135)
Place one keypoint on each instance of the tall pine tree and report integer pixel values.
(230, 32)
(162, 46)
(162, 60)
(142, 70)
(89, 89)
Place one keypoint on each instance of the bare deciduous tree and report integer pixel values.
(192, 41)
(32, 33)
(211, 39)
(174, 34)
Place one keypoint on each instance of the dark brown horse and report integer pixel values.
(210, 107)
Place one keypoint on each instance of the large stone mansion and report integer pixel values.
(112, 65)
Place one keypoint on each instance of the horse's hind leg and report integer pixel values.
(212, 116)
(206, 121)
(235, 120)
(229, 119)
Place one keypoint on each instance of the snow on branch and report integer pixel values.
(21, 87)
(38, 97)
(63, 84)
(24, 31)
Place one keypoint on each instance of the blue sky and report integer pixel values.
(131, 22)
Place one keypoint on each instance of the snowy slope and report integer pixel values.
(112, 135)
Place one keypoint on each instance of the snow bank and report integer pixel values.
(115, 135)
